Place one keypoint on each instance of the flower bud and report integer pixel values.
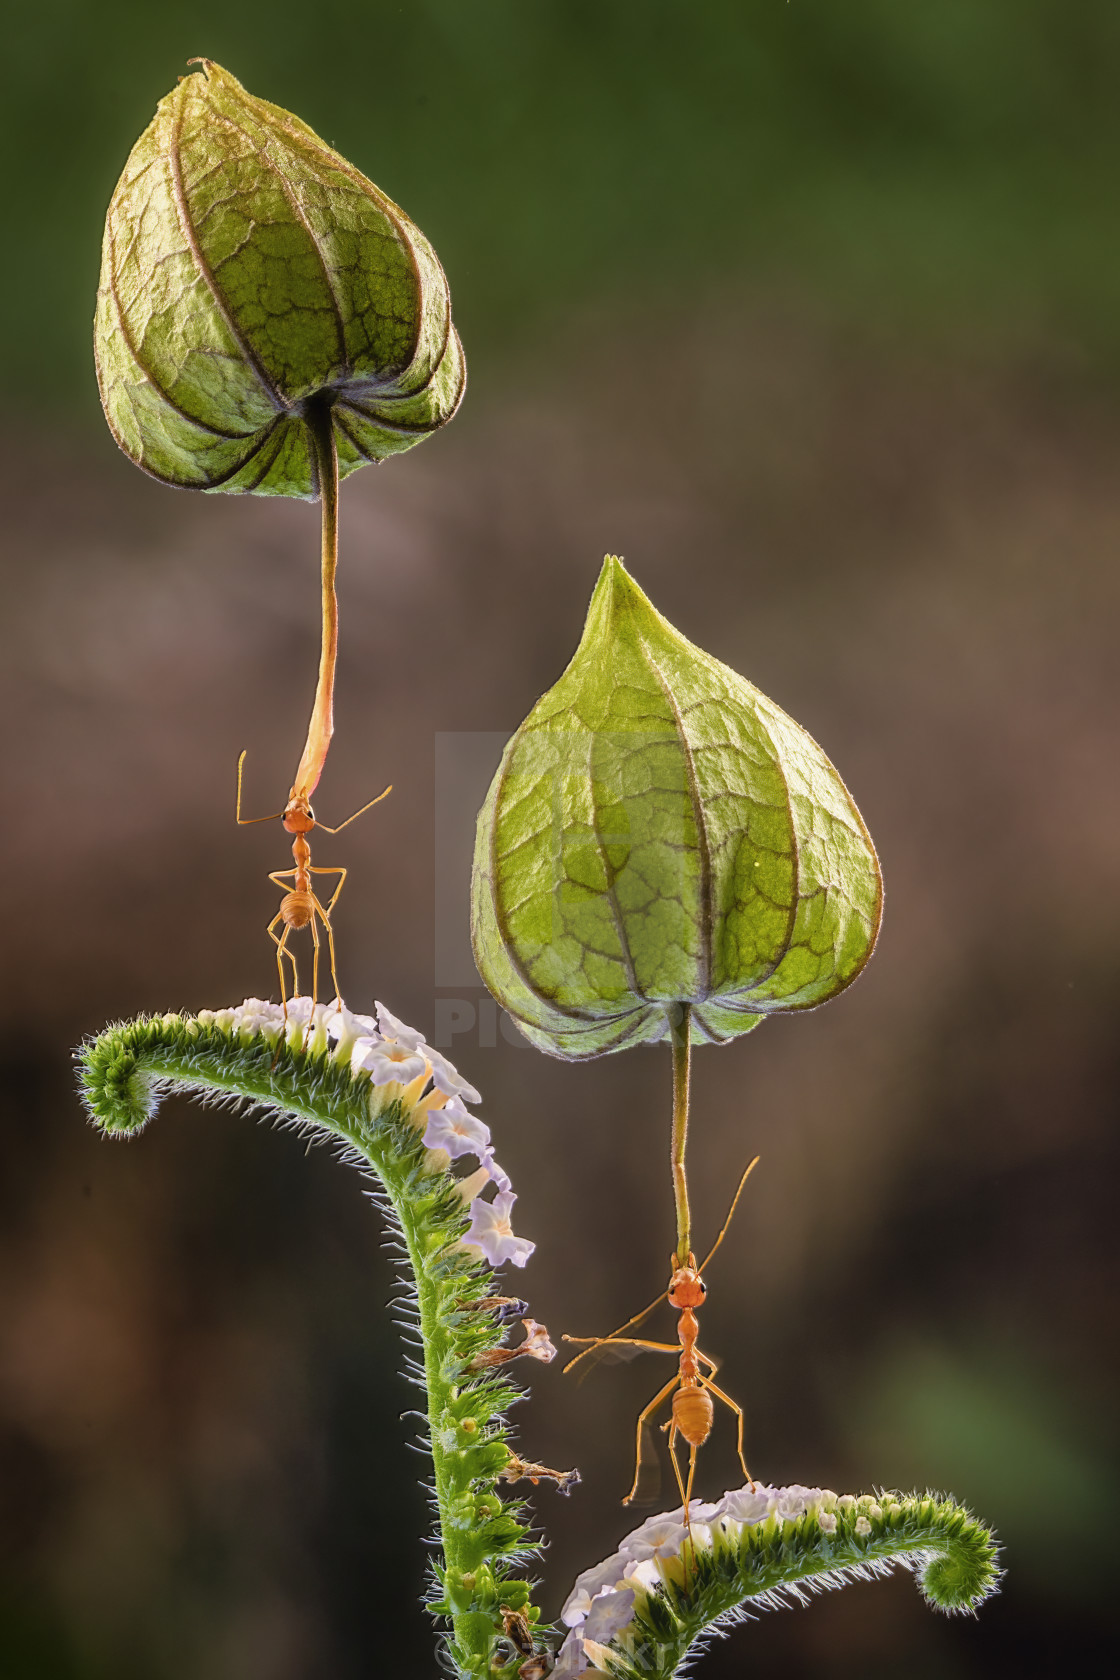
(659, 833)
(248, 271)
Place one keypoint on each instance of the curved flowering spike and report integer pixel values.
(308, 1071)
(659, 833)
(247, 270)
(638, 1613)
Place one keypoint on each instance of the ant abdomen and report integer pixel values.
(693, 1414)
(296, 909)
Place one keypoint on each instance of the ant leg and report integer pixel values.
(613, 1341)
(342, 874)
(691, 1479)
(738, 1410)
(280, 877)
(671, 1426)
(326, 915)
(663, 1394)
(282, 951)
(314, 961)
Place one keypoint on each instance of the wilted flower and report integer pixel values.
(536, 1345)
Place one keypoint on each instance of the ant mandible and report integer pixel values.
(301, 907)
(692, 1390)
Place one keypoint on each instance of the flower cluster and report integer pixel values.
(401, 1067)
(601, 1605)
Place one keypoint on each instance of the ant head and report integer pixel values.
(299, 818)
(686, 1287)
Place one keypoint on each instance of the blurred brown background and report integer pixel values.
(815, 319)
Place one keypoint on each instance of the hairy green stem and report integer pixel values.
(766, 1565)
(123, 1075)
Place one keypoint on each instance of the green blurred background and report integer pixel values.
(813, 312)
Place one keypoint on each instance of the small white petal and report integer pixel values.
(589, 1585)
(498, 1174)
(610, 1612)
(448, 1079)
(390, 1027)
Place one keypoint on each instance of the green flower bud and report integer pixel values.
(248, 271)
(659, 833)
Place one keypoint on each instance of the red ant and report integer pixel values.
(301, 907)
(691, 1389)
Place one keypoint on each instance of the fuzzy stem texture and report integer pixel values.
(123, 1075)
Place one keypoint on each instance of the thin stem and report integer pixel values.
(681, 1038)
(321, 727)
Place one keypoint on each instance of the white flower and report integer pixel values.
(299, 1010)
(589, 1585)
(490, 1231)
(460, 1133)
(827, 1520)
(662, 1537)
(863, 1527)
(644, 1575)
(345, 1029)
(793, 1502)
(747, 1504)
(610, 1612)
(698, 1513)
(255, 1017)
(387, 1062)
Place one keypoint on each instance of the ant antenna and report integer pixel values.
(367, 807)
(730, 1213)
(247, 822)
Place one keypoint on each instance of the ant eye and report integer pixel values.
(703, 1286)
